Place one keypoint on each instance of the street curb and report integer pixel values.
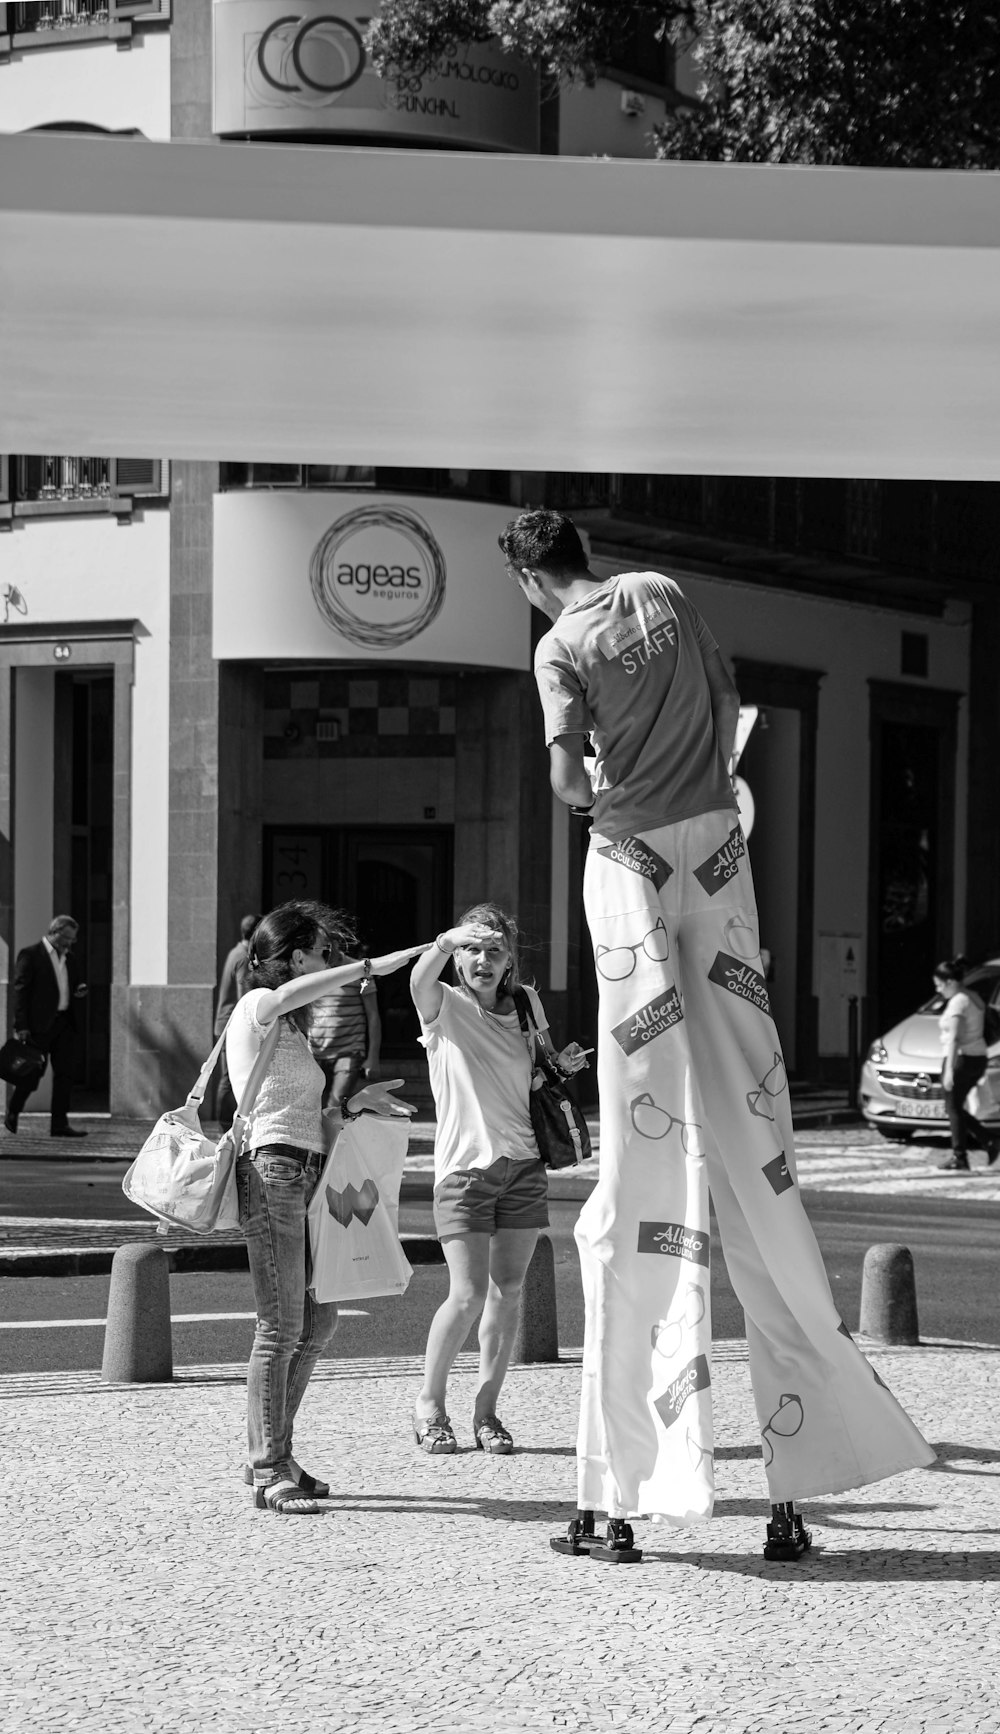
(218, 1255)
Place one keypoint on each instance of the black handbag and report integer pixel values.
(557, 1122)
(20, 1061)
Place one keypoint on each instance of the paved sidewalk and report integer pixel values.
(142, 1592)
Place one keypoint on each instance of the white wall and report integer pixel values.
(76, 569)
(92, 81)
(591, 122)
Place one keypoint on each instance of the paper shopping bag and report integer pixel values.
(353, 1214)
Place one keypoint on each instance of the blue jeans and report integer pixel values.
(275, 1184)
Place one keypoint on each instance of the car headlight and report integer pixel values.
(878, 1053)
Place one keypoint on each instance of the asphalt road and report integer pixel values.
(954, 1246)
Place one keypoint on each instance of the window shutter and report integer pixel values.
(136, 476)
(138, 9)
(4, 462)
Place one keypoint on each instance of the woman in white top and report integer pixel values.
(961, 1024)
(490, 1195)
(276, 1176)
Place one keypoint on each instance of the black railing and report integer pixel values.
(55, 15)
(63, 478)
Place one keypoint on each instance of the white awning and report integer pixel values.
(493, 312)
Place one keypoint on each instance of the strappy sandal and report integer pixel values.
(434, 1434)
(285, 1499)
(305, 1482)
(492, 1436)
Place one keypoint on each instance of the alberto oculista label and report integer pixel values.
(674, 1240)
(724, 865)
(648, 1022)
(737, 977)
(694, 1377)
(638, 857)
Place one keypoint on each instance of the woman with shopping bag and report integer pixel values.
(490, 1194)
(276, 1175)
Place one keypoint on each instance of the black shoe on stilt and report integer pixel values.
(618, 1546)
(579, 1537)
(787, 1536)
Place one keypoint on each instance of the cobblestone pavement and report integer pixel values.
(142, 1591)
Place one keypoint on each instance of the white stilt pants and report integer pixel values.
(694, 1097)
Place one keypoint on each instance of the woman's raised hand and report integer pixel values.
(472, 933)
(394, 960)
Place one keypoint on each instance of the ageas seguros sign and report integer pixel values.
(378, 575)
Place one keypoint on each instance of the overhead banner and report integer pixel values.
(364, 577)
(304, 69)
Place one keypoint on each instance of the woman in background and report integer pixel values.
(962, 1026)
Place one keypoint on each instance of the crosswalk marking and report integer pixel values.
(175, 1319)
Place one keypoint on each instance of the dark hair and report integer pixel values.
(546, 540)
(491, 915)
(247, 925)
(294, 926)
(951, 969)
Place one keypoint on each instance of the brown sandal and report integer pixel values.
(285, 1499)
(434, 1434)
(492, 1436)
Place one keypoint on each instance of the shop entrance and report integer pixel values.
(396, 880)
(911, 880)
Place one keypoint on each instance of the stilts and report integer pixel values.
(579, 1537)
(787, 1536)
(617, 1547)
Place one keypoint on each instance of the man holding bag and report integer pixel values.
(46, 987)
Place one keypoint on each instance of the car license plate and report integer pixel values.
(921, 1110)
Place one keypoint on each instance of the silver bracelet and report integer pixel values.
(449, 950)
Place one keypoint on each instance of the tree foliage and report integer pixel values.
(899, 83)
(567, 38)
(892, 83)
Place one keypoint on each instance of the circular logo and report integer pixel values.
(308, 59)
(378, 576)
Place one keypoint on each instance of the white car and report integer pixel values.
(901, 1092)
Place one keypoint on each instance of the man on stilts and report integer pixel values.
(693, 1091)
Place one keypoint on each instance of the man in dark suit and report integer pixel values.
(46, 983)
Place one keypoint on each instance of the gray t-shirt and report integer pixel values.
(626, 667)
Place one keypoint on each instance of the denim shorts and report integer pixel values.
(507, 1194)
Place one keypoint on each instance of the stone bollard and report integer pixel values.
(537, 1327)
(137, 1344)
(889, 1295)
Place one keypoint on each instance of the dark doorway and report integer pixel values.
(82, 876)
(397, 881)
(779, 767)
(913, 740)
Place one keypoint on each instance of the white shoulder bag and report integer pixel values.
(183, 1178)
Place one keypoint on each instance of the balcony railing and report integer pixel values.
(41, 15)
(63, 478)
(50, 485)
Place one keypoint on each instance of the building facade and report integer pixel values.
(223, 683)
